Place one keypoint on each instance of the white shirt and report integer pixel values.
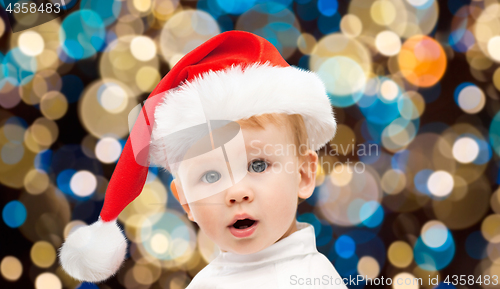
(293, 262)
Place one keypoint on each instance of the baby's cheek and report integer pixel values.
(206, 218)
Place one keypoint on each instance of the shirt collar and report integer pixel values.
(301, 242)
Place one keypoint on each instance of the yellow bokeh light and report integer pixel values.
(405, 281)
(490, 228)
(345, 141)
(160, 242)
(147, 78)
(44, 131)
(494, 48)
(143, 275)
(388, 43)
(108, 150)
(113, 97)
(48, 281)
(11, 268)
(12, 153)
(31, 43)
(343, 63)
(389, 90)
(400, 254)
(73, 226)
(383, 12)
(43, 254)
(36, 181)
(341, 175)
(151, 200)
(2, 27)
(440, 183)
(186, 30)
(163, 9)
(306, 43)
(98, 120)
(496, 78)
(143, 48)
(368, 267)
(493, 252)
(487, 29)
(351, 25)
(465, 150)
(415, 109)
(32, 144)
(142, 5)
(13, 132)
(54, 105)
(398, 134)
(393, 181)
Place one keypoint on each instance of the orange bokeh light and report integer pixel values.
(422, 61)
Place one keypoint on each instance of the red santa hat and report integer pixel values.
(232, 76)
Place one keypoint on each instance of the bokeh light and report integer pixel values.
(345, 246)
(388, 43)
(36, 181)
(108, 150)
(440, 183)
(82, 34)
(184, 31)
(31, 43)
(369, 267)
(432, 258)
(14, 214)
(43, 254)
(53, 105)
(83, 183)
(465, 150)
(345, 69)
(494, 48)
(434, 234)
(143, 48)
(405, 280)
(422, 61)
(48, 281)
(11, 268)
(469, 97)
(400, 254)
(490, 228)
(351, 25)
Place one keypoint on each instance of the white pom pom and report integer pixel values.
(94, 253)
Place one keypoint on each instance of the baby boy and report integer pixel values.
(238, 128)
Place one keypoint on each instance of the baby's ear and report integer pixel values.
(179, 195)
(308, 164)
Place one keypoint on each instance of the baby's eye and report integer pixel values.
(211, 177)
(257, 166)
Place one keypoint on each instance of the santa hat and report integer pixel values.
(232, 76)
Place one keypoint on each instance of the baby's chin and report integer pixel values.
(247, 246)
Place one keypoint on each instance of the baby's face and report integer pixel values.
(264, 201)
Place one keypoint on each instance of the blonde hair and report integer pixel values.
(294, 123)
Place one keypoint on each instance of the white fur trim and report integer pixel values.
(237, 93)
(94, 253)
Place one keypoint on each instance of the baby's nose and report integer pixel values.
(238, 194)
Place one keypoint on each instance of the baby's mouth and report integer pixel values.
(243, 228)
(243, 224)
